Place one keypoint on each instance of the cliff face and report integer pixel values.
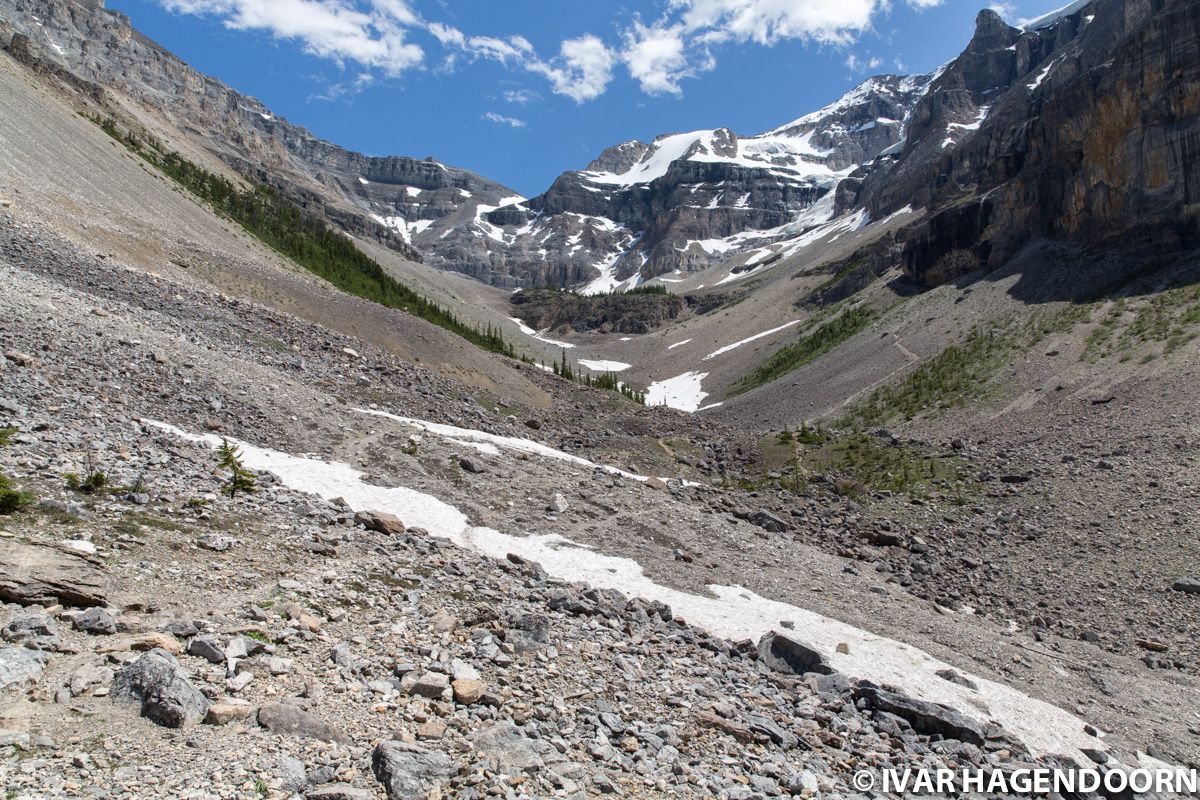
(1085, 127)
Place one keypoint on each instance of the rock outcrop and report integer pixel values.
(1082, 127)
(547, 309)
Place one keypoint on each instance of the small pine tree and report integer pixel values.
(240, 479)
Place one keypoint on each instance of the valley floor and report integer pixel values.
(320, 639)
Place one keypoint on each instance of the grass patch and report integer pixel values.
(1171, 318)
(6, 436)
(858, 463)
(150, 521)
(809, 347)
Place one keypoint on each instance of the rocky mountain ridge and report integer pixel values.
(638, 211)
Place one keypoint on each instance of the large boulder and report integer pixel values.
(20, 667)
(408, 770)
(162, 687)
(34, 574)
(782, 653)
(928, 718)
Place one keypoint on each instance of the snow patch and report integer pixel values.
(678, 344)
(749, 339)
(528, 331)
(600, 365)
(683, 392)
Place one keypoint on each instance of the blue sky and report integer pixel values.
(521, 90)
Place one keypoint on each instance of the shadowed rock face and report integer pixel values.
(1090, 133)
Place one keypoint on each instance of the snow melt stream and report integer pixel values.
(728, 611)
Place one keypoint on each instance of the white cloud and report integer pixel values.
(770, 21)
(922, 4)
(513, 122)
(656, 58)
(373, 37)
(680, 44)
(378, 36)
(520, 96)
(582, 70)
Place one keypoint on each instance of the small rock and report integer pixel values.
(469, 465)
(468, 691)
(217, 542)
(430, 684)
(225, 713)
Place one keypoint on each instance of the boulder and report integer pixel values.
(294, 721)
(162, 687)
(409, 771)
(40, 575)
(380, 521)
(504, 743)
(932, 719)
(96, 621)
(36, 631)
(782, 653)
(768, 521)
(20, 666)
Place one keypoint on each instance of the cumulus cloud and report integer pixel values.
(500, 119)
(681, 43)
(372, 36)
(656, 58)
(767, 22)
(582, 70)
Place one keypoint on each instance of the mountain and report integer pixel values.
(285, 512)
(639, 210)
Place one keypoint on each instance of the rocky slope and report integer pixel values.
(386, 198)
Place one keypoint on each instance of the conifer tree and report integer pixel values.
(240, 479)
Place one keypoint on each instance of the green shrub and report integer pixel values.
(12, 499)
(91, 483)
